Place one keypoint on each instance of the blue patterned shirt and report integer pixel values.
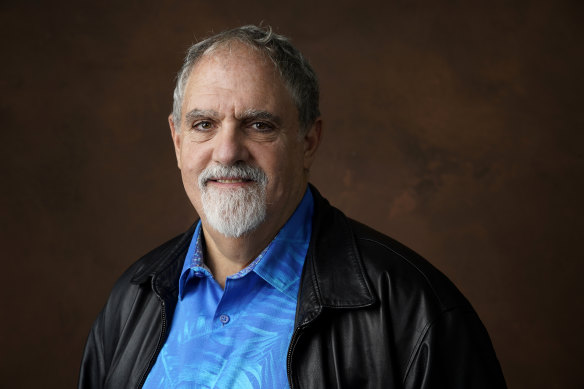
(237, 337)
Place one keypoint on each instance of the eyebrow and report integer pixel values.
(253, 114)
(247, 115)
(200, 113)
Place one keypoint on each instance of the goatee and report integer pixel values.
(237, 211)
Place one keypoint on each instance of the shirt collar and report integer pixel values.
(193, 265)
(279, 264)
(282, 264)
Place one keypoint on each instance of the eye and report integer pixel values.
(262, 126)
(202, 125)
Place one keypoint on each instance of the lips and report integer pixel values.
(230, 180)
(238, 174)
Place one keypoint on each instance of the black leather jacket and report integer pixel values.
(371, 314)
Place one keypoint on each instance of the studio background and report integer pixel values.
(455, 127)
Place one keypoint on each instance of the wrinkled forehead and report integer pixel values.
(242, 73)
(238, 79)
(234, 65)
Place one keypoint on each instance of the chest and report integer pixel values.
(238, 337)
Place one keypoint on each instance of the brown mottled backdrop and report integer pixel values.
(454, 126)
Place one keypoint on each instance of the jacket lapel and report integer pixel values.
(333, 274)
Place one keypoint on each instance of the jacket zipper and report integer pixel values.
(158, 344)
(295, 336)
(293, 342)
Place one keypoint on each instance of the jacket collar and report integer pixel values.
(163, 265)
(333, 274)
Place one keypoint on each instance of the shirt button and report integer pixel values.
(224, 319)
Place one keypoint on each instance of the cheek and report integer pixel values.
(191, 167)
(275, 166)
(191, 186)
(192, 161)
(285, 173)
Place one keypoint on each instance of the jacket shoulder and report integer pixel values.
(113, 355)
(387, 311)
(437, 332)
(135, 280)
(388, 261)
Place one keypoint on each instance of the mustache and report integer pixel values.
(238, 171)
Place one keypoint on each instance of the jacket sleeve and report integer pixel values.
(454, 352)
(92, 372)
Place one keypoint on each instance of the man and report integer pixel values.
(273, 287)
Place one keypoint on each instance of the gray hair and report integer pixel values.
(296, 72)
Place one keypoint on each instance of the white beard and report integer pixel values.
(234, 212)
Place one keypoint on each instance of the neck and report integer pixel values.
(226, 256)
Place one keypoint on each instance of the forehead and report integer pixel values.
(233, 64)
(239, 73)
(235, 53)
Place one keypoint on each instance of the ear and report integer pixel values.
(311, 142)
(175, 133)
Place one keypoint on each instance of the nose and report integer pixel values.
(229, 145)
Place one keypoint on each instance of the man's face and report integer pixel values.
(239, 147)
